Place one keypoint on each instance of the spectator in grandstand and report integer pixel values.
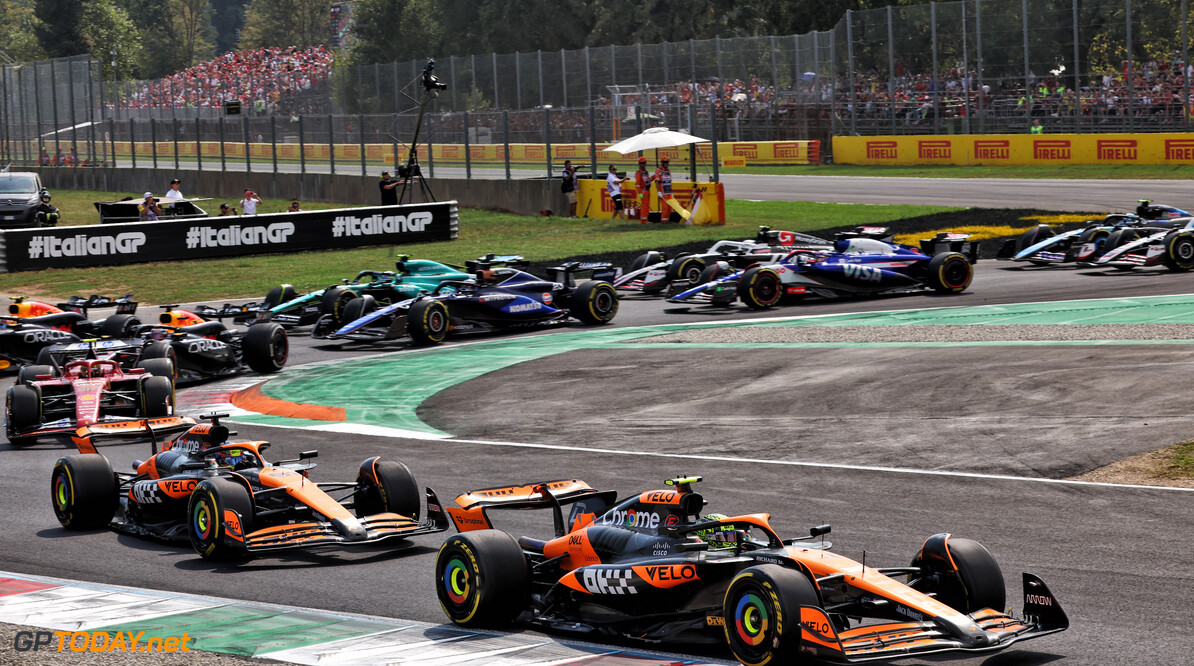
(249, 203)
(613, 185)
(1036, 127)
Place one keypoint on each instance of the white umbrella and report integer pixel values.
(656, 137)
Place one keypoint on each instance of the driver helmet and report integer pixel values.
(720, 536)
(45, 196)
(232, 458)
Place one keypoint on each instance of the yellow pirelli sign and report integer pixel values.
(1016, 149)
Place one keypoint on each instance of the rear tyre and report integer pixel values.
(358, 307)
(279, 295)
(644, 260)
(427, 322)
(961, 573)
(762, 614)
(950, 273)
(686, 270)
(157, 396)
(23, 411)
(594, 302)
(1179, 251)
(266, 348)
(46, 357)
(481, 579)
(386, 486)
(333, 302)
(215, 534)
(84, 491)
(119, 326)
(29, 373)
(760, 288)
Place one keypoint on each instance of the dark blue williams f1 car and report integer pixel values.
(863, 262)
(500, 296)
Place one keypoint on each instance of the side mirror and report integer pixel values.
(315, 454)
(819, 530)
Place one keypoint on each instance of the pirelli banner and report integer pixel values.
(198, 238)
(1016, 149)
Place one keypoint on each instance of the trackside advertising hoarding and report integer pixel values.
(1016, 149)
(140, 242)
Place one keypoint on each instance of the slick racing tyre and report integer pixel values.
(119, 326)
(427, 322)
(481, 579)
(84, 491)
(159, 367)
(950, 273)
(23, 411)
(161, 349)
(358, 307)
(644, 260)
(686, 271)
(1119, 237)
(1179, 251)
(279, 295)
(30, 373)
(713, 272)
(215, 534)
(266, 348)
(760, 288)
(762, 614)
(333, 302)
(1033, 236)
(386, 486)
(1096, 238)
(961, 573)
(157, 397)
(594, 302)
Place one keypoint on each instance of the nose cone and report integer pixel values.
(350, 528)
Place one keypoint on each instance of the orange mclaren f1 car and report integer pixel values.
(650, 567)
(227, 500)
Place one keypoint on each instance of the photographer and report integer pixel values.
(249, 204)
(149, 209)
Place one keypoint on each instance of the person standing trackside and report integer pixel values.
(389, 191)
(249, 204)
(149, 209)
(613, 185)
(642, 184)
(568, 186)
(175, 192)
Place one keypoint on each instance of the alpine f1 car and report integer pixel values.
(287, 307)
(1042, 246)
(32, 325)
(652, 273)
(1173, 248)
(499, 297)
(227, 500)
(650, 567)
(56, 400)
(863, 262)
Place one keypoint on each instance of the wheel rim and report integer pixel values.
(1185, 250)
(436, 321)
(457, 581)
(62, 493)
(693, 273)
(281, 348)
(955, 273)
(751, 619)
(766, 288)
(203, 522)
(604, 303)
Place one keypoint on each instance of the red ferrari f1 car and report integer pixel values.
(227, 500)
(649, 567)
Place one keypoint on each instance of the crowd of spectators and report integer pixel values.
(265, 80)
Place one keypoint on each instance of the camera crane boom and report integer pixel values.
(411, 170)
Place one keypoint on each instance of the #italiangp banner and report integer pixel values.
(198, 238)
(1016, 149)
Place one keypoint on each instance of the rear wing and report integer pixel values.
(877, 233)
(599, 270)
(767, 235)
(472, 514)
(949, 242)
(230, 311)
(491, 260)
(124, 304)
(87, 437)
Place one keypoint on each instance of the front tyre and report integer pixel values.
(686, 270)
(216, 533)
(23, 411)
(427, 322)
(333, 302)
(386, 486)
(266, 348)
(157, 397)
(760, 288)
(762, 614)
(594, 302)
(119, 326)
(950, 273)
(1179, 251)
(961, 573)
(84, 491)
(279, 295)
(481, 578)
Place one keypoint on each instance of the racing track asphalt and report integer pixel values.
(1118, 558)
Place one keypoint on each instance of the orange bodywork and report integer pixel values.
(179, 318)
(307, 492)
(26, 308)
(576, 546)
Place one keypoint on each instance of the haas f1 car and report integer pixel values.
(287, 307)
(499, 297)
(652, 273)
(1172, 248)
(649, 567)
(1042, 246)
(227, 501)
(863, 262)
(57, 400)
